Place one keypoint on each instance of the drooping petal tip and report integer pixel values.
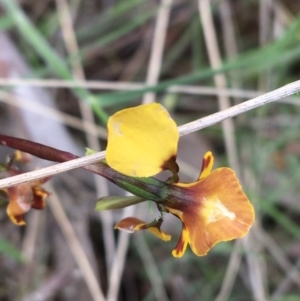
(12, 211)
(160, 233)
(207, 164)
(180, 248)
(131, 224)
(39, 197)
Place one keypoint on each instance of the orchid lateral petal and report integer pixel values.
(39, 197)
(117, 202)
(20, 201)
(23, 197)
(142, 141)
(131, 224)
(207, 164)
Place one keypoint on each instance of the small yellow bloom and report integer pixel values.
(22, 198)
(142, 141)
(212, 209)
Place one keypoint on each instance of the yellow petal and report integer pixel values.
(142, 141)
(207, 164)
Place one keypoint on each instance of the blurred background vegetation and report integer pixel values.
(67, 65)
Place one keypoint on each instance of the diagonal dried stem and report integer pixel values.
(188, 128)
(158, 43)
(76, 248)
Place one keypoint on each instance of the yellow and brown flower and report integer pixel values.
(212, 209)
(23, 197)
(142, 141)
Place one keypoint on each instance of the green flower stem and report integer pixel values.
(146, 188)
(155, 223)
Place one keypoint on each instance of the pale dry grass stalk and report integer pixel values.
(129, 86)
(230, 43)
(287, 282)
(157, 48)
(228, 129)
(153, 71)
(66, 24)
(256, 265)
(33, 226)
(150, 268)
(231, 272)
(119, 262)
(278, 254)
(215, 59)
(185, 129)
(49, 113)
(75, 247)
(88, 118)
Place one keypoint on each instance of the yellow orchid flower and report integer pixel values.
(23, 197)
(143, 141)
(212, 209)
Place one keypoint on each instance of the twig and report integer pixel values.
(119, 262)
(51, 113)
(188, 128)
(220, 80)
(76, 248)
(228, 127)
(231, 271)
(129, 86)
(158, 43)
(287, 282)
(230, 43)
(152, 77)
(88, 118)
(151, 268)
(279, 256)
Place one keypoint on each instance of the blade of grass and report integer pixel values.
(7, 249)
(108, 17)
